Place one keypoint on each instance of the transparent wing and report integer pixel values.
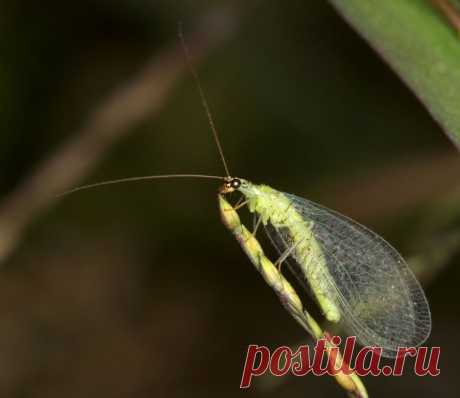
(378, 296)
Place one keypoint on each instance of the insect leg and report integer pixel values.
(238, 204)
(286, 254)
(256, 224)
(239, 200)
(241, 205)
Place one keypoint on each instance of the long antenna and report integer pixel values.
(203, 97)
(142, 178)
(165, 176)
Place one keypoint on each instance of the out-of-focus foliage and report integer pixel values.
(418, 42)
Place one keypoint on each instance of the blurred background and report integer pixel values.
(138, 290)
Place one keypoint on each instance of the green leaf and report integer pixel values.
(419, 43)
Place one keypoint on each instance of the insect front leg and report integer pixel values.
(239, 204)
(239, 201)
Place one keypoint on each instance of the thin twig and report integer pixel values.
(143, 96)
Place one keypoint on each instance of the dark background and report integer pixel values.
(138, 290)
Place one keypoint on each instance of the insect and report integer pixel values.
(357, 278)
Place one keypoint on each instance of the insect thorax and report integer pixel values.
(270, 204)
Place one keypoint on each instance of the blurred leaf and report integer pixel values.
(422, 47)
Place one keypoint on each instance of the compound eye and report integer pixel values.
(236, 183)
